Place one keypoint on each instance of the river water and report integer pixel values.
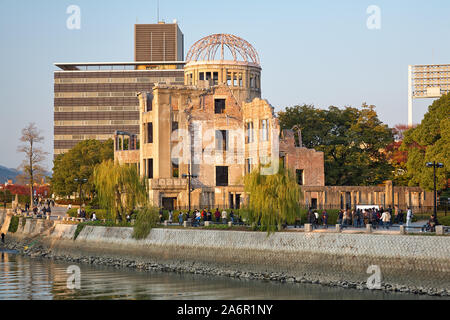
(27, 278)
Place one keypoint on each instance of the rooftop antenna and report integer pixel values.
(157, 10)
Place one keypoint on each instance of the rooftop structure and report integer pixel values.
(158, 42)
(427, 81)
(206, 49)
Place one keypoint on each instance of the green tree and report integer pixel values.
(273, 199)
(79, 163)
(146, 219)
(353, 141)
(120, 189)
(428, 142)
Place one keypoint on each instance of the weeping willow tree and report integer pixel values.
(119, 187)
(273, 199)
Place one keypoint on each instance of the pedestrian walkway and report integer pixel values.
(350, 229)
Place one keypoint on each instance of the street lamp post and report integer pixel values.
(189, 176)
(435, 165)
(81, 182)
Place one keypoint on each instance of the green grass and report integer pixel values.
(14, 224)
(78, 230)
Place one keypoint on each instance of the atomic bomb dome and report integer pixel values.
(225, 59)
(216, 46)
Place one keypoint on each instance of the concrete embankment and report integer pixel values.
(416, 264)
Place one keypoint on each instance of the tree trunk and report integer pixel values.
(31, 176)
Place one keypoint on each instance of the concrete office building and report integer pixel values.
(93, 100)
(158, 42)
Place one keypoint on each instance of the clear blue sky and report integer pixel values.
(317, 52)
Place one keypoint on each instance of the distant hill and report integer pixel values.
(7, 174)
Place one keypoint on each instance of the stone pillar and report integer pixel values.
(308, 227)
(440, 230)
(230, 224)
(207, 223)
(402, 230)
(186, 224)
(369, 228)
(338, 228)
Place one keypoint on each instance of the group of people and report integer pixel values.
(81, 213)
(40, 208)
(198, 216)
(377, 217)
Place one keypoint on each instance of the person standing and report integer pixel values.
(180, 218)
(386, 219)
(409, 216)
(217, 215)
(209, 215)
(400, 217)
(325, 219)
(224, 216)
(316, 220)
(340, 217)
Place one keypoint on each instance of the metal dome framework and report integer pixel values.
(207, 48)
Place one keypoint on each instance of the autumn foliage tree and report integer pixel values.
(398, 157)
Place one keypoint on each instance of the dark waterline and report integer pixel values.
(26, 278)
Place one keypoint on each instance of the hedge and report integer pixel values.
(100, 213)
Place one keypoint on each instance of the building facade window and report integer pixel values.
(299, 176)
(250, 135)
(149, 103)
(221, 176)
(248, 165)
(150, 132)
(175, 168)
(150, 168)
(221, 140)
(219, 106)
(265, 130)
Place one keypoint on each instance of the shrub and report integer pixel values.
(100, 213)
(147, 218)
(14, 224)
(444, 221)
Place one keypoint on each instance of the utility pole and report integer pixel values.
(189, 176)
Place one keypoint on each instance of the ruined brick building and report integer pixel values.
(215, 128)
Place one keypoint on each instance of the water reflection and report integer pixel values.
(35, 279)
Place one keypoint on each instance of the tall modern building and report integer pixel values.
(93, 100)
(158, 42)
